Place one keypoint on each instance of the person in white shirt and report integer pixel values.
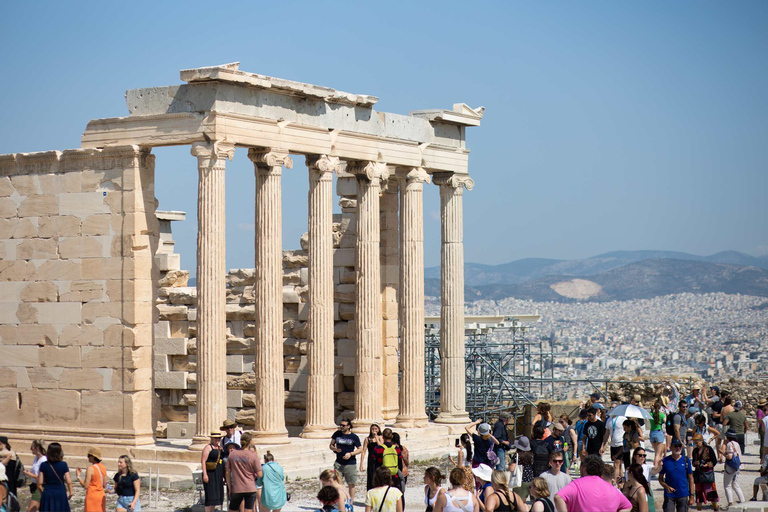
(555, 478)
(615, 425)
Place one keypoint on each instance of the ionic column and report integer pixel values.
(211, 293)
(452, 366)
(268, 292)
(368, 368)
(412, 399)
(320, 408)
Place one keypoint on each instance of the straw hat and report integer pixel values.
(483, 472)
(228, 424)
(95, 452)
(216, 433)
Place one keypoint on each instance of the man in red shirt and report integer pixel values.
(242, 467)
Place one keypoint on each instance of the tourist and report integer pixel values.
(609, 475)
(484, 444)
(556, 478)
(762, 423)
(570, 441)
(761, 480)
(273, 496)
(95, 479)
(502, 499)
(679, 422)
(737, 421)
(523, 458)
(502, 436)
(328, 496)
(579, 428)
(55, 481)
(704, 461)
(346, 445)
(658, 419)
(695, 401)
(383, 497)
(543, 417)
(595, 435)
(8, 501)
(541, 450)
(700, 427)
(676, 478)
(464, 460)
(38, 451)
(637, 490)
(541, 493)
(432, 490)
(389, 456)
(331, 477)
(127, 486)
(483, 475)
(591, 492)
(556, 440)
(732, 470)
(639, 457)
(715, 417)
(242, 465)
(369, 443)
(212, 462)
(457, 498)
(631, 440)
(230, 438)
(13, 465)
(403, 463)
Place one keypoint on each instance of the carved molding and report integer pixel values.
(453, 180)
(370, 170)
(270, 158)
(323, 163)
(210, 154)
(411, 175)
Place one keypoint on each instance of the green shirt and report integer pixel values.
(660, 424)
(736, 420)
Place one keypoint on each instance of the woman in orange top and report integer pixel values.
(96, 477)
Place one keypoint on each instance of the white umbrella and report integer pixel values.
(630, 411)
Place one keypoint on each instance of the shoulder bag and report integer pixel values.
(211, 466)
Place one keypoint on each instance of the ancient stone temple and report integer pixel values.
(101, 338)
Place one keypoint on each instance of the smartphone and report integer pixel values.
(457, 442)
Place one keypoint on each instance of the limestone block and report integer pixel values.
(244, 381)
(102, 357)
(82, 335)
(137, 357)
(345, 347)
(168, 312)
(80, 247)
(183, 295)
(346, 187)
(291, 311)
(292, 277)
(295, 399)
(234, 398)
(295, 417)
(17, 270)
(304, 276)
(99, 224)
(85, 291)
(344, 293)
(82, 204)
(389, 294)
(160, 363)
(389, 328)
(340, 330)
(174, 413)
(38, 206)
(351, 332)
(348, 276)
(166, 262)
(41, 291)
(58, 270)
(139, 379)
(101, 409)
(238, 312)
(346, 399)
(295, 259)
(179, 329)
(19, 406)
(68, 357)
(170, 380)
(390, 274)
(346, 311)
(303, 292)
(7, 376)
(241, 277)
(7, 208)
(249, 399)
(91, 180)
(348, 203)
(346, 364)
(291, 364)
(137, 409)
(58, 225)
(131, 290)
(235, 364)
(241, 345)
(174, 278)
(303, 312)
(6, 188)
(389, 311)
(22, 378)
(304, 242)
(344, 258)
(29, 334)
(26, 314)
(294, 347)
(171, 346)
(181, 430)
(300, 330)
(11, 355)
(245, 417)
(45, 378)
(26, 184)
(18, 228)
(81, 379)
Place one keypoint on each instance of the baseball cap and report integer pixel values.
(677, 442)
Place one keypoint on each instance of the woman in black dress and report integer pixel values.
(55, 481)
(213, 473)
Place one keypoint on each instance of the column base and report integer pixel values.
(318, 431)
(271, 437)
(452, 419)
(198, 443)
(410, 422)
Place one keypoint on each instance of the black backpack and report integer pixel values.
(671, 423)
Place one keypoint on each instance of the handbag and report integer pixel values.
(516, 478)
(492, 457)
(706, 477)
(211, 466)
(734, 463)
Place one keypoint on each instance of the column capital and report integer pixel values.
(413, 175)
(270, 158)
(453, 180)
(208, 152)
(370, 170)
(322, 163)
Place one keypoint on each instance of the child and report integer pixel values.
(328, 496)
(609, 474)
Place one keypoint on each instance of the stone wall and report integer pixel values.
(77, 237)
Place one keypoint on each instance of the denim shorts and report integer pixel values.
(125, 502)
(657, 436)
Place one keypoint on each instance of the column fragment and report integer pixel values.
(320, 407)
(412, 412)
(268, 293)
(452, 366)
(211, 293)
(368, 367)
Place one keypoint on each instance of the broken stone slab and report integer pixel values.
(174, 278)
(185, 295)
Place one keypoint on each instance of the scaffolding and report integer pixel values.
(504, 371)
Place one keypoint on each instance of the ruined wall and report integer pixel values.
(77, 237)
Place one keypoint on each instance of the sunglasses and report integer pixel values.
(640, 455)
(677, 447)
(558, 461)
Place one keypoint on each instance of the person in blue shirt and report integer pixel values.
(676, 477)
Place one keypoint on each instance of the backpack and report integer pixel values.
(671, 423)
(389, 459)
(11, 502)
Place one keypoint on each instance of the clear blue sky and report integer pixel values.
(608, 126)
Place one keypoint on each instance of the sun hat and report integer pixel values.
(3, 476)
(731, 433)
(737, 405)
(228, 424)
(216, 433)
(483, 472)
(762, 402)
(484, 429)
(558, 426)
(637, 398)
(523, 444)
(95, 452)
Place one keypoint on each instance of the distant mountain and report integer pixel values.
(637, 280)
(520, 271)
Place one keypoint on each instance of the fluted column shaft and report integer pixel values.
(211, 292)
(412, 396)
(268, 292)
(452, 365)
(320, 406)
(368, 368)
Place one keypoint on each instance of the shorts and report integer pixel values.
(616, 451)
(125, 502)
(657, 436)
(627, 460)
(236, 498)
(349, 471)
